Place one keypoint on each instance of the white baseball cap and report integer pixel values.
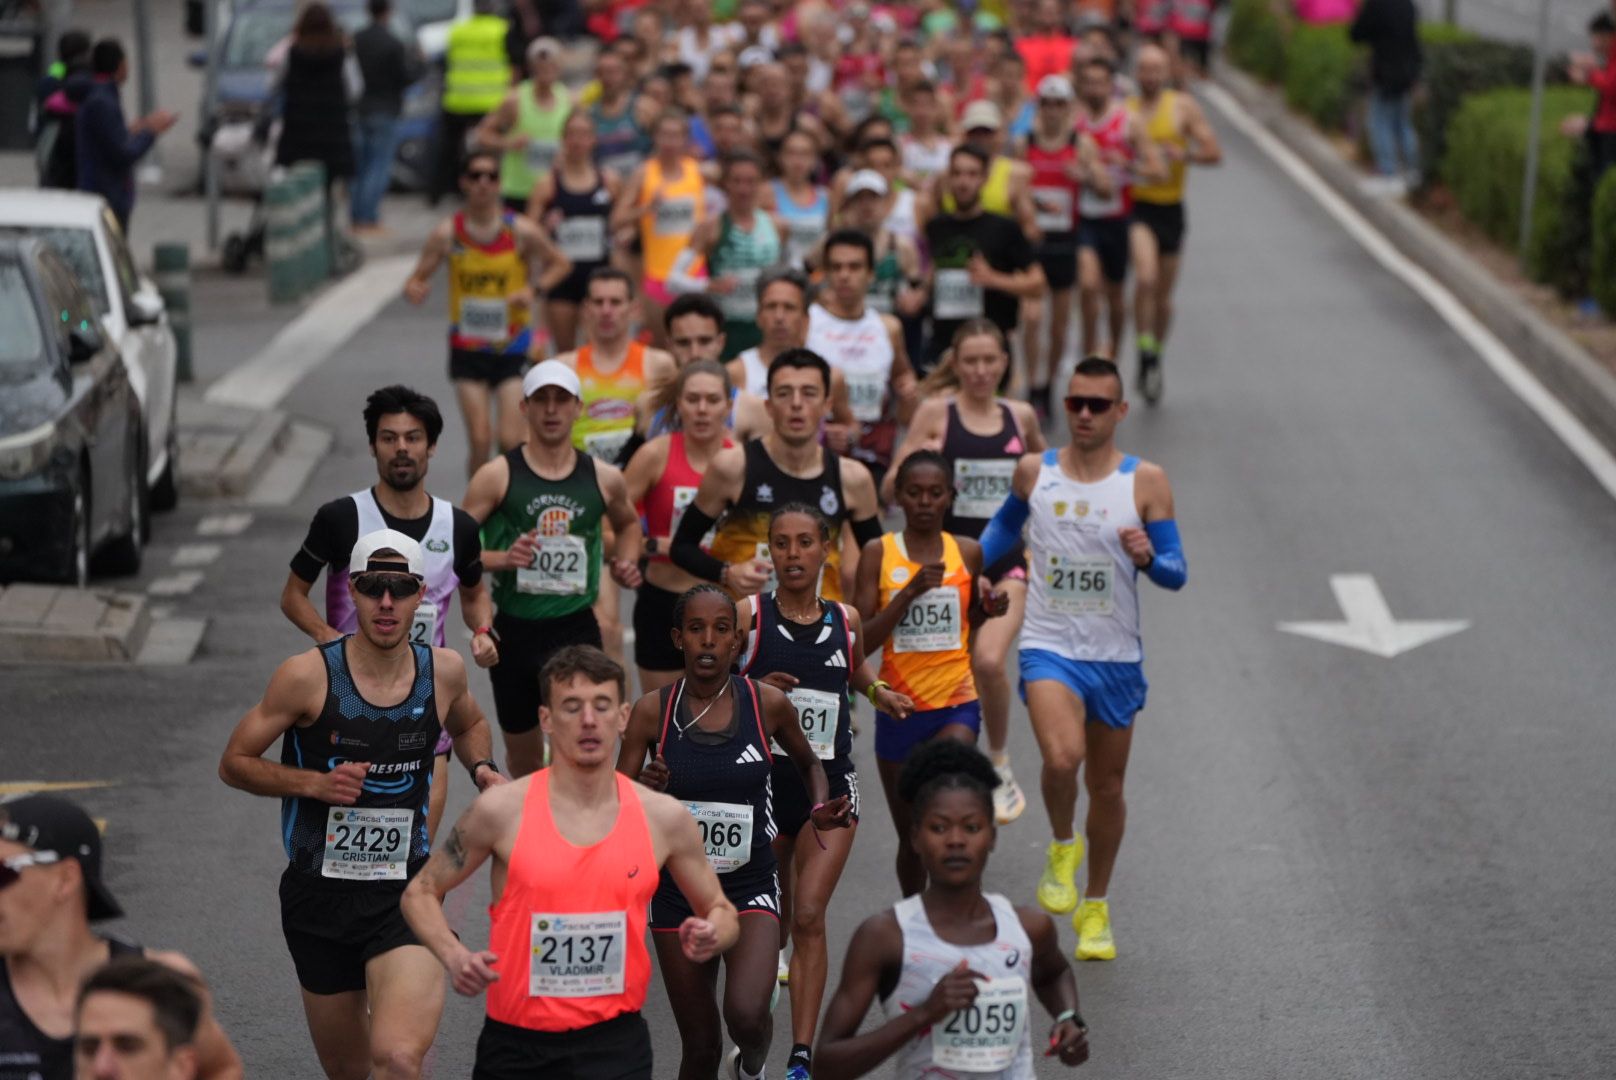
(551, 373)
(982, 114)
(866, 180)
(1056, 87)
(386, 540)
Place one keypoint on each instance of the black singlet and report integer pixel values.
(819, 655)
(26, 1053)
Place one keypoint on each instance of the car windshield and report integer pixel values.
(21, 343)
(254, 33)
(77, 249)
(426, 11)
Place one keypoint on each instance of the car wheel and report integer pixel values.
(165, 494)
(122, 554)
(75, 568)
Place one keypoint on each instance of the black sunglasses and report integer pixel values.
(11, 869)
(374, 583)
(1076, 403)
(482, 174)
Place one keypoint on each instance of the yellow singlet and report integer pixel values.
(928, 656)
(608, 416)
(481, 279)
(667, 231)
(995, 197)
(1163, 129)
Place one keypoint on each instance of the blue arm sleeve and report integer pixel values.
(1168, 569)
(1004, 531)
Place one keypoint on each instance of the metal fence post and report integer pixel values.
(171, 265)
(1534, 133)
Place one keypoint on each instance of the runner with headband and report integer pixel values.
(710, 736)
(662, 478)
(954, 966)
(809, 647)
(984, 435)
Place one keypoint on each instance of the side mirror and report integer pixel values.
(145, 309)
(82, 345)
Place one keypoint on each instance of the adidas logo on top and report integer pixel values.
(836, 660)
(748, 756)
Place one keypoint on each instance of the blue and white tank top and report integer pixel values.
(1083, 597)
(382, 837)
(438, 551)
(805, 225)
(992, 1039)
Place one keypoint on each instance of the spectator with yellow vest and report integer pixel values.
(475, 79)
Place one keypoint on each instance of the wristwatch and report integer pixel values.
(475, 765)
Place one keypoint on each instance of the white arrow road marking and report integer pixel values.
(1369, 626)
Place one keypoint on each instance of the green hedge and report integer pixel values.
(1456, 66)
(1320, 65)
(1603, 270)
(1256, 38)
(1486, 160)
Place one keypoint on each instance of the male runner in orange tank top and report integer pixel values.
(578, 850)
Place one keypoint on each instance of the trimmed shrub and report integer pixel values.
(1256, 38)
(1320, 63)
(1602, 276)
(1456, 66)
(1485, 164)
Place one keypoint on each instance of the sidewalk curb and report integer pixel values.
(1581, 383)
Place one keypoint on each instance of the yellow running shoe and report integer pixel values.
(1008, 800)
(1093, 923)
(1056, 892)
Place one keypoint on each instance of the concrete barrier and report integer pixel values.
(297, 241)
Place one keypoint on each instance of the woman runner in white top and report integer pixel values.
(955, 968)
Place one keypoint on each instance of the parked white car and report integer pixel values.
(83, 231)
(433, 20)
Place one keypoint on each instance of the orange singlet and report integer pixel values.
(569, 927)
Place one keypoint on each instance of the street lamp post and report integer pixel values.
(1535, 129)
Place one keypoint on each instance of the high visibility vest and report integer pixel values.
(479, 75)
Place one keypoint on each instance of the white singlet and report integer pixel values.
(862, 349)
(756, 372)
(1083, 597)
(999, 1023)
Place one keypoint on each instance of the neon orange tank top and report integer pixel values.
(667, 230)
(928, 655)
(608, 416)
(569, 927)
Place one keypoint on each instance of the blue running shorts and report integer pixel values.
(894, 738)
(1112, 691)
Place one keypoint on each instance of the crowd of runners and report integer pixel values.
(733, 326)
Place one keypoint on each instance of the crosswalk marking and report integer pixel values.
(175, 584)
(196, 554)
(29, 787)
(223, 524)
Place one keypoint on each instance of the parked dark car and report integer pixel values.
(72, 452)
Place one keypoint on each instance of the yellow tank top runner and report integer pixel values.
(1163, 129)
(676, 208)
(482, 278)
(608, 399)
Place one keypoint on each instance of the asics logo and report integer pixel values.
(749, 756)
(836, 660)
(634, 872)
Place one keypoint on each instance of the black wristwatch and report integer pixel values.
(475, 765)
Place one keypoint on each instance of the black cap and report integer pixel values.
(49, 823)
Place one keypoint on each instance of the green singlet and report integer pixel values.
(565, 575)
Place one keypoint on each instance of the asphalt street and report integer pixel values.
(1337, 865)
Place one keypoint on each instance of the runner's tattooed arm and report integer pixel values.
(469, 843)
(296, 692)
(464, 720)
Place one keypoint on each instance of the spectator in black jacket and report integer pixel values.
(314, 95)
(1390, 29)
(55, 146)
(108, 148)
(387, 67)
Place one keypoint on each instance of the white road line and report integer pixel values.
(192, 555)
(223, 524)
(309, 340)
(159, 612)
(1577, 438)
(175, 584)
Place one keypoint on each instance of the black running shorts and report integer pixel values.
(615, 1049)
(1109, 239)
(653, 618)
(791, 804)
(1058, 256)
(524, 646)
(1165, 222)
(334, 928)
(485, 367)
